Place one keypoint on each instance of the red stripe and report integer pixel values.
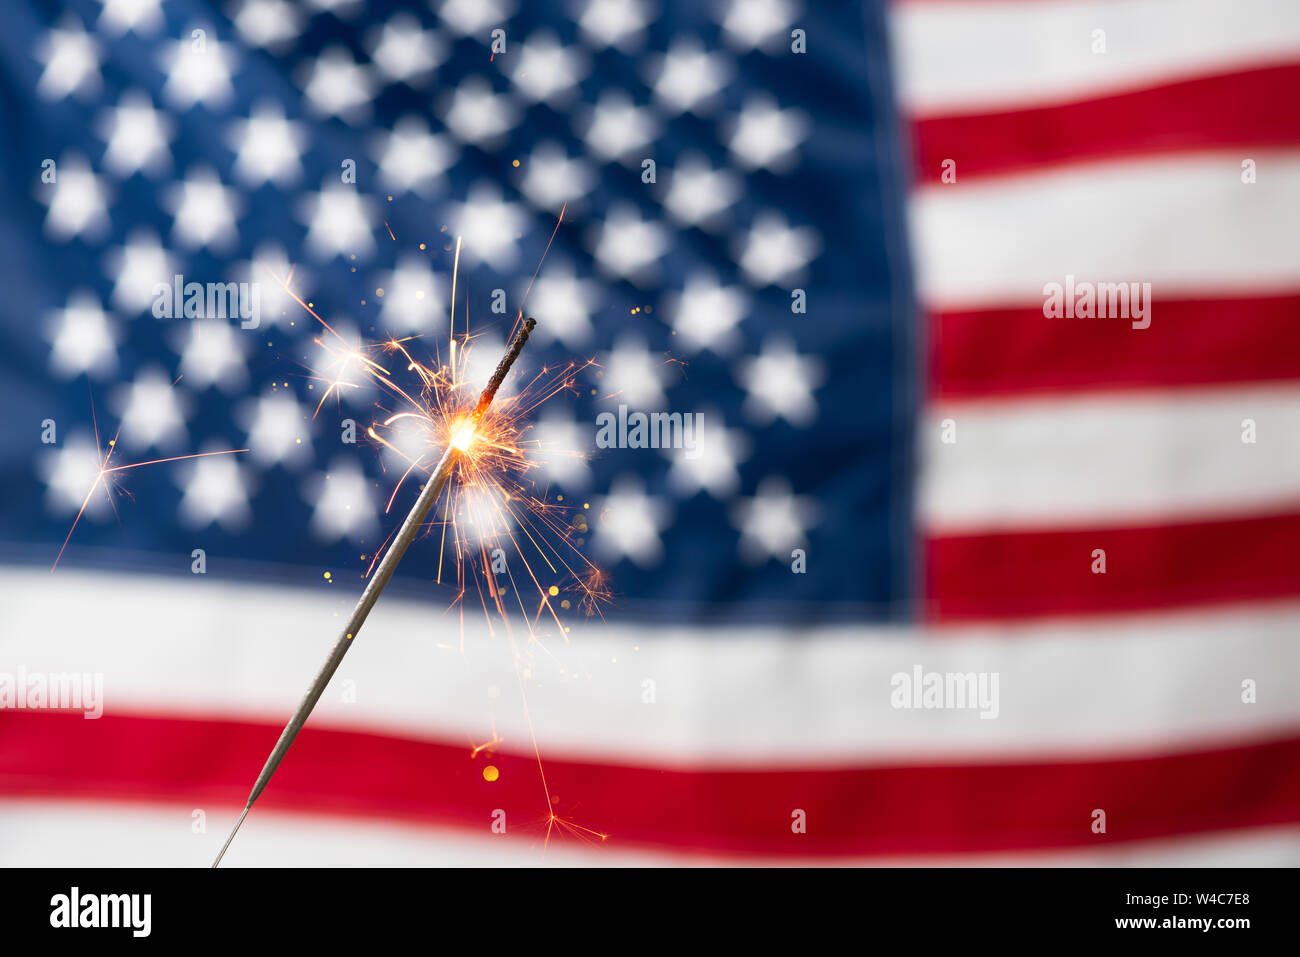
(850, 811)
(1023, 574)
(997, 352)
(1250, 109)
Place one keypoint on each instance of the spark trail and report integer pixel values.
(107, 474)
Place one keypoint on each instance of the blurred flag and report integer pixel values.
(983, 553)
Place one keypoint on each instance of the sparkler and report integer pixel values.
(383, 572)
(484, 507)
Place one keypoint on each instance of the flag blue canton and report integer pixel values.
(201, 140)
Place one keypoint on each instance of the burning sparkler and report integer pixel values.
(486, 506)
(458, 444)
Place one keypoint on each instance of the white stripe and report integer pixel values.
(74, 834)
(960, 57)
(752, 696)
(1110, 459)
(1187, 225)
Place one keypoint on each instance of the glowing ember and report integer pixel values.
(462, 437)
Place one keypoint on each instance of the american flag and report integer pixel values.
(828, 228)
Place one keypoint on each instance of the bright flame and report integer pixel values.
(462, 436)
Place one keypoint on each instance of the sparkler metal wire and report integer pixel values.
(383, 572)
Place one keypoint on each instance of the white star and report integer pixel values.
(489, 225)
(279, 429)
(615, 23)
(409, 440)
(141, 17)
(633, 376)
(411, 158)
(545, 71)
(71, 59)
(268, 146)
(340, 366)
(212, 353)
(480, 361)
(475, 17)
(77, 199)
(270, 269)
(698, 194)
(627, 246)
(687, 79)
(567, 302)
(270, 24)
(562, 446)
(774, 252)
(551, 179)
(136, 268)
(773, 522)
(629, 522)
(151, 411)
(81, 338)
(137, 136)
(344, 505)
(216, 491)
(413, 296)
(198, 71)
(203, 211)
(765, 136)
(618, 130)
(711, 465)
(336, 85)
(483, 515)
(405, 53)
(758, 24)
(780, 383)
(339, 222)
(706, 313)
(477, 115)
(69, 472)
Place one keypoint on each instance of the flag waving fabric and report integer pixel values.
(935, 448)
